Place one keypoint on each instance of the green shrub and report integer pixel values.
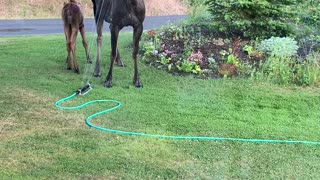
(280, 64)
(289, 70)
(252, 19)
(279, 47)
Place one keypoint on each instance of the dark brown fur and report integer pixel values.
(119, 13)
(73, 22)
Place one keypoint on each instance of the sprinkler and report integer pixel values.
(84, 90)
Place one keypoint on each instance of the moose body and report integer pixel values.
(73, 22)
(119, 13)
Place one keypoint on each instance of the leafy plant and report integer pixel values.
(252, 51)
(233, 60)
(249, 49)
(149, 50)
(278, 69)
(164, 60)
(308, 71)
(235, 51)
(189, 67)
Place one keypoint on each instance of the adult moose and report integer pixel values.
(119, 13)
(73, 22)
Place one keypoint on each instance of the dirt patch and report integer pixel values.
(38, 9)
(168, 7)
(15, 30)
(33, 112)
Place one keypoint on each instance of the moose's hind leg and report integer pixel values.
(114, 42)
(99, 27)
(67, 32)
(119, 61)
(73, 49)
(85, 44)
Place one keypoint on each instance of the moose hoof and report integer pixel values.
(138, 84)
(108, 84)
(69, 67)
(120, 64)
(76, 71)
(97, 74)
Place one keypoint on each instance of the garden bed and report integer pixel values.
(182, 50)
(199, 50)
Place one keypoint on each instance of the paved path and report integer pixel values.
(54, 26)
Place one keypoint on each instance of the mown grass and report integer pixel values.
(40, 141)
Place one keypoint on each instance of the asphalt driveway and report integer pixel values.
(54, 26)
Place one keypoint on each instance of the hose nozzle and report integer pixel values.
(84, 90)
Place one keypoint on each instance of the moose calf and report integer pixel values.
(73, 22)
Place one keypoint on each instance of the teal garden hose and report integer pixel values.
(87, 88)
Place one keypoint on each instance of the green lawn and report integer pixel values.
(39, 141)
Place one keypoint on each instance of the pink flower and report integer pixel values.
(196, 57)
(168, 52)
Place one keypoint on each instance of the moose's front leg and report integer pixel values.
(136, 38)
(114, 42)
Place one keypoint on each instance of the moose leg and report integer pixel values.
(97, 72)
(85, 44)
(68, 44)
(73, 49)
(114, 42)
(137, 32)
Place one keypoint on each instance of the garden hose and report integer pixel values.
(87, 88)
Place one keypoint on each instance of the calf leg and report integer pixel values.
(137, 32)
(85, 44)
(114, 42)
(73, 49)
(67, 32)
